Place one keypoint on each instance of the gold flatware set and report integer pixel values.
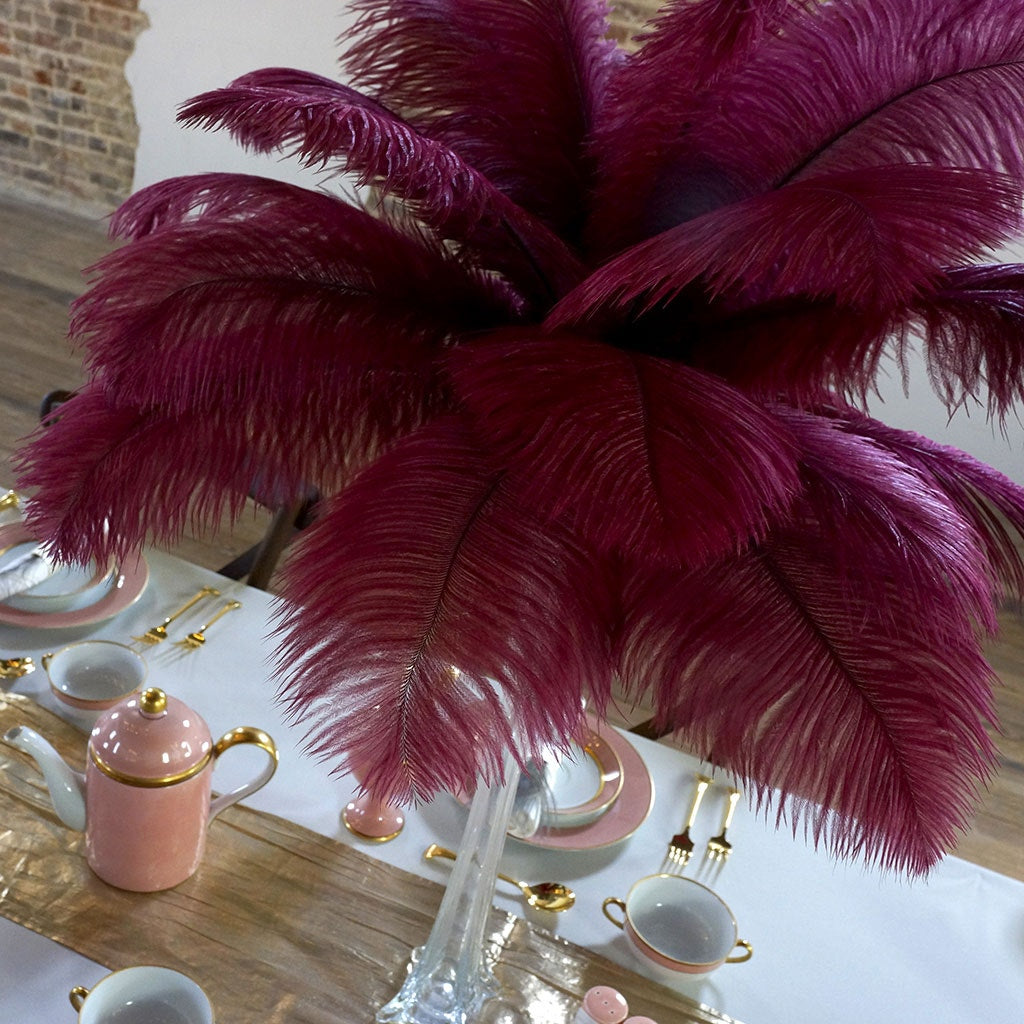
(196, 639)
(718, 848)
(192, 641)
(158, 634)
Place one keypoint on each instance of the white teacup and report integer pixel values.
(142, 995)
(679, 924)
(94, 675)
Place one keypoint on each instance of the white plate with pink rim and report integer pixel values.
(79, 596)
(628, 810)
(622, 802)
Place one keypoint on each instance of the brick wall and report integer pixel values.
(67, 125)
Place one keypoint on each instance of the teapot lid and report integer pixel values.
(150, 739)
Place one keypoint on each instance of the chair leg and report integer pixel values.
(280, 531)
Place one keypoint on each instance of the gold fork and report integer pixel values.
(192, 641)
(719, 848)
(680, 848)
(157, 634)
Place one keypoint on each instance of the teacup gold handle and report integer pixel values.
(748, 952)
(614, 901)
(45, 661)
(77, 996)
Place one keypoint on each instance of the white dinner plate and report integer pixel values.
(625, 815)
(116, 591)
(584, 785)
(66, 588)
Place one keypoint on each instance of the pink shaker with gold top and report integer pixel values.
(144, 800)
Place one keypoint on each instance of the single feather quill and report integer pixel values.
(321, 121)
(425, 611)
(641, 455)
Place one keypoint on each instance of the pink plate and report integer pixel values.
(126, 590)
(626, 814)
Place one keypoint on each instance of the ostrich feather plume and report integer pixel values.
(581, 377)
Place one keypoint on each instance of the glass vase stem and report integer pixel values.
(449, 980)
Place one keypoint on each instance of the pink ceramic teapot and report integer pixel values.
(144, 800)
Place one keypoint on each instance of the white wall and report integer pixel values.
(195, 45)
(1000, 446)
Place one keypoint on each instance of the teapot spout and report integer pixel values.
(67, 787)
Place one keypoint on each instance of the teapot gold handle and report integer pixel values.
(232, 738)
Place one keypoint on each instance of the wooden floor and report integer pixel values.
(41, 256)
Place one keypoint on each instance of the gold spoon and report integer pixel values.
(198, 638)
(542, 895)
(157, 634)
(15, 668)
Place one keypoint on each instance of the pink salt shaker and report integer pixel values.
(602, 1005)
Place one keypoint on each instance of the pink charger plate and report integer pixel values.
(130, 583)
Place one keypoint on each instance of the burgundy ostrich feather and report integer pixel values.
(448, 605)
(864, 83)
(991, 503)
(321, 121)
(969, 321)
(341, 346)
(641, 455)
(686, 48)
(886, 501)
(512, 87)
(973, 327)
(110, 487)
(870, 239)
(575, 391)
(875, 575)
(768, 664)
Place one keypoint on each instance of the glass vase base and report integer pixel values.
(444, 997)
(444, 1000)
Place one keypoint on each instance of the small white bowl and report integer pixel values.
(94, 675)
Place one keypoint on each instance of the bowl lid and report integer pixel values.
(150, 739)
